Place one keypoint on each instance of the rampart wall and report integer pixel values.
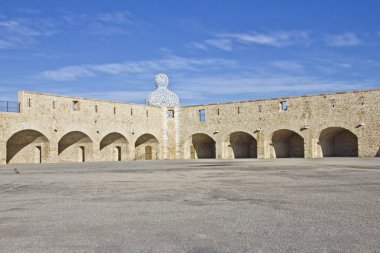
(52, 128)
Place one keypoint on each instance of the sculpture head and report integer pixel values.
(161, 80)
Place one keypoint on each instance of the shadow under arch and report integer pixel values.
(114, 147)
(242, 144)
(203, 146)
(147, 147)
(27, 146)
(338, 142)
(287, 144)
(75, 146)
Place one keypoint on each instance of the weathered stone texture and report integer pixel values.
(51, 128)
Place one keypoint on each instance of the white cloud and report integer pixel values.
(6, 44)
(108, 23)
(343, 40)
(276, 39)
(16, 33)
(223, 44)
(287, 65)
(345, 65)
(265, 84)
(225, 41)
(69, 73)
(197, 45)
(13, 26)
(117, 17)
(99, 24)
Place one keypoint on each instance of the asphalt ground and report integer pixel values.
(254, 205)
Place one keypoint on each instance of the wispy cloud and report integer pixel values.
(15, 33)
(275, 39)
(69, 73)
(197, 45)
(218, 87)
(101, 24)
(117, 17)
(223, 44)
(343, 40)
(226, 41)
(287, 65)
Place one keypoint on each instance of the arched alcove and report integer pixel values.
(147, 147)
(287, 144)
(338, 142)
(75, 146)
(114, 147)
(27, 146)
(242, 145)
(203, 145)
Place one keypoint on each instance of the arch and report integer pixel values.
(144, 141)
(114, 147)
(287, 144)
(27, 146)
(242, 145)
(338, 142)
(75, 146)
(204, 146)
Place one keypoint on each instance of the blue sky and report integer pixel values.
(212, 51)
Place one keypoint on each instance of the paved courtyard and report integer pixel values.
(283, 205)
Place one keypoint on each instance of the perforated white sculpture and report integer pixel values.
(162, 96)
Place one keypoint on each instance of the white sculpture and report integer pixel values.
(162, 96)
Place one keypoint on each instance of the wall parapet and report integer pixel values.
(53, 128)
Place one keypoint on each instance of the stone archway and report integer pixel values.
(147, 147)
(287, 144)
(114, 147)
(27, 146)
(203, 146)
(242, 145)
(75, 146)
(338, 142)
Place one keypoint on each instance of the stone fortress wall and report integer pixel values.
(52, 128)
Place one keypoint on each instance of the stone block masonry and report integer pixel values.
(52, 128)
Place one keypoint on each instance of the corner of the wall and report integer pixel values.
(20, 97)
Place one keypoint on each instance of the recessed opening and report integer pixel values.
(53, 104)
(333, 102)
(283, 106)
(218, 111)
(361, 100)
(114, 110)
(75, 105)
(202, 115)
(131, 112)
(82, 154)
(260, 108)
(118, 152)
(170, 113)
(96, 108)
(29, 102)
(39, 154)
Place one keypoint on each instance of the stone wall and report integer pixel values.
(357, 112)
(69, 123)
(51, 128)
